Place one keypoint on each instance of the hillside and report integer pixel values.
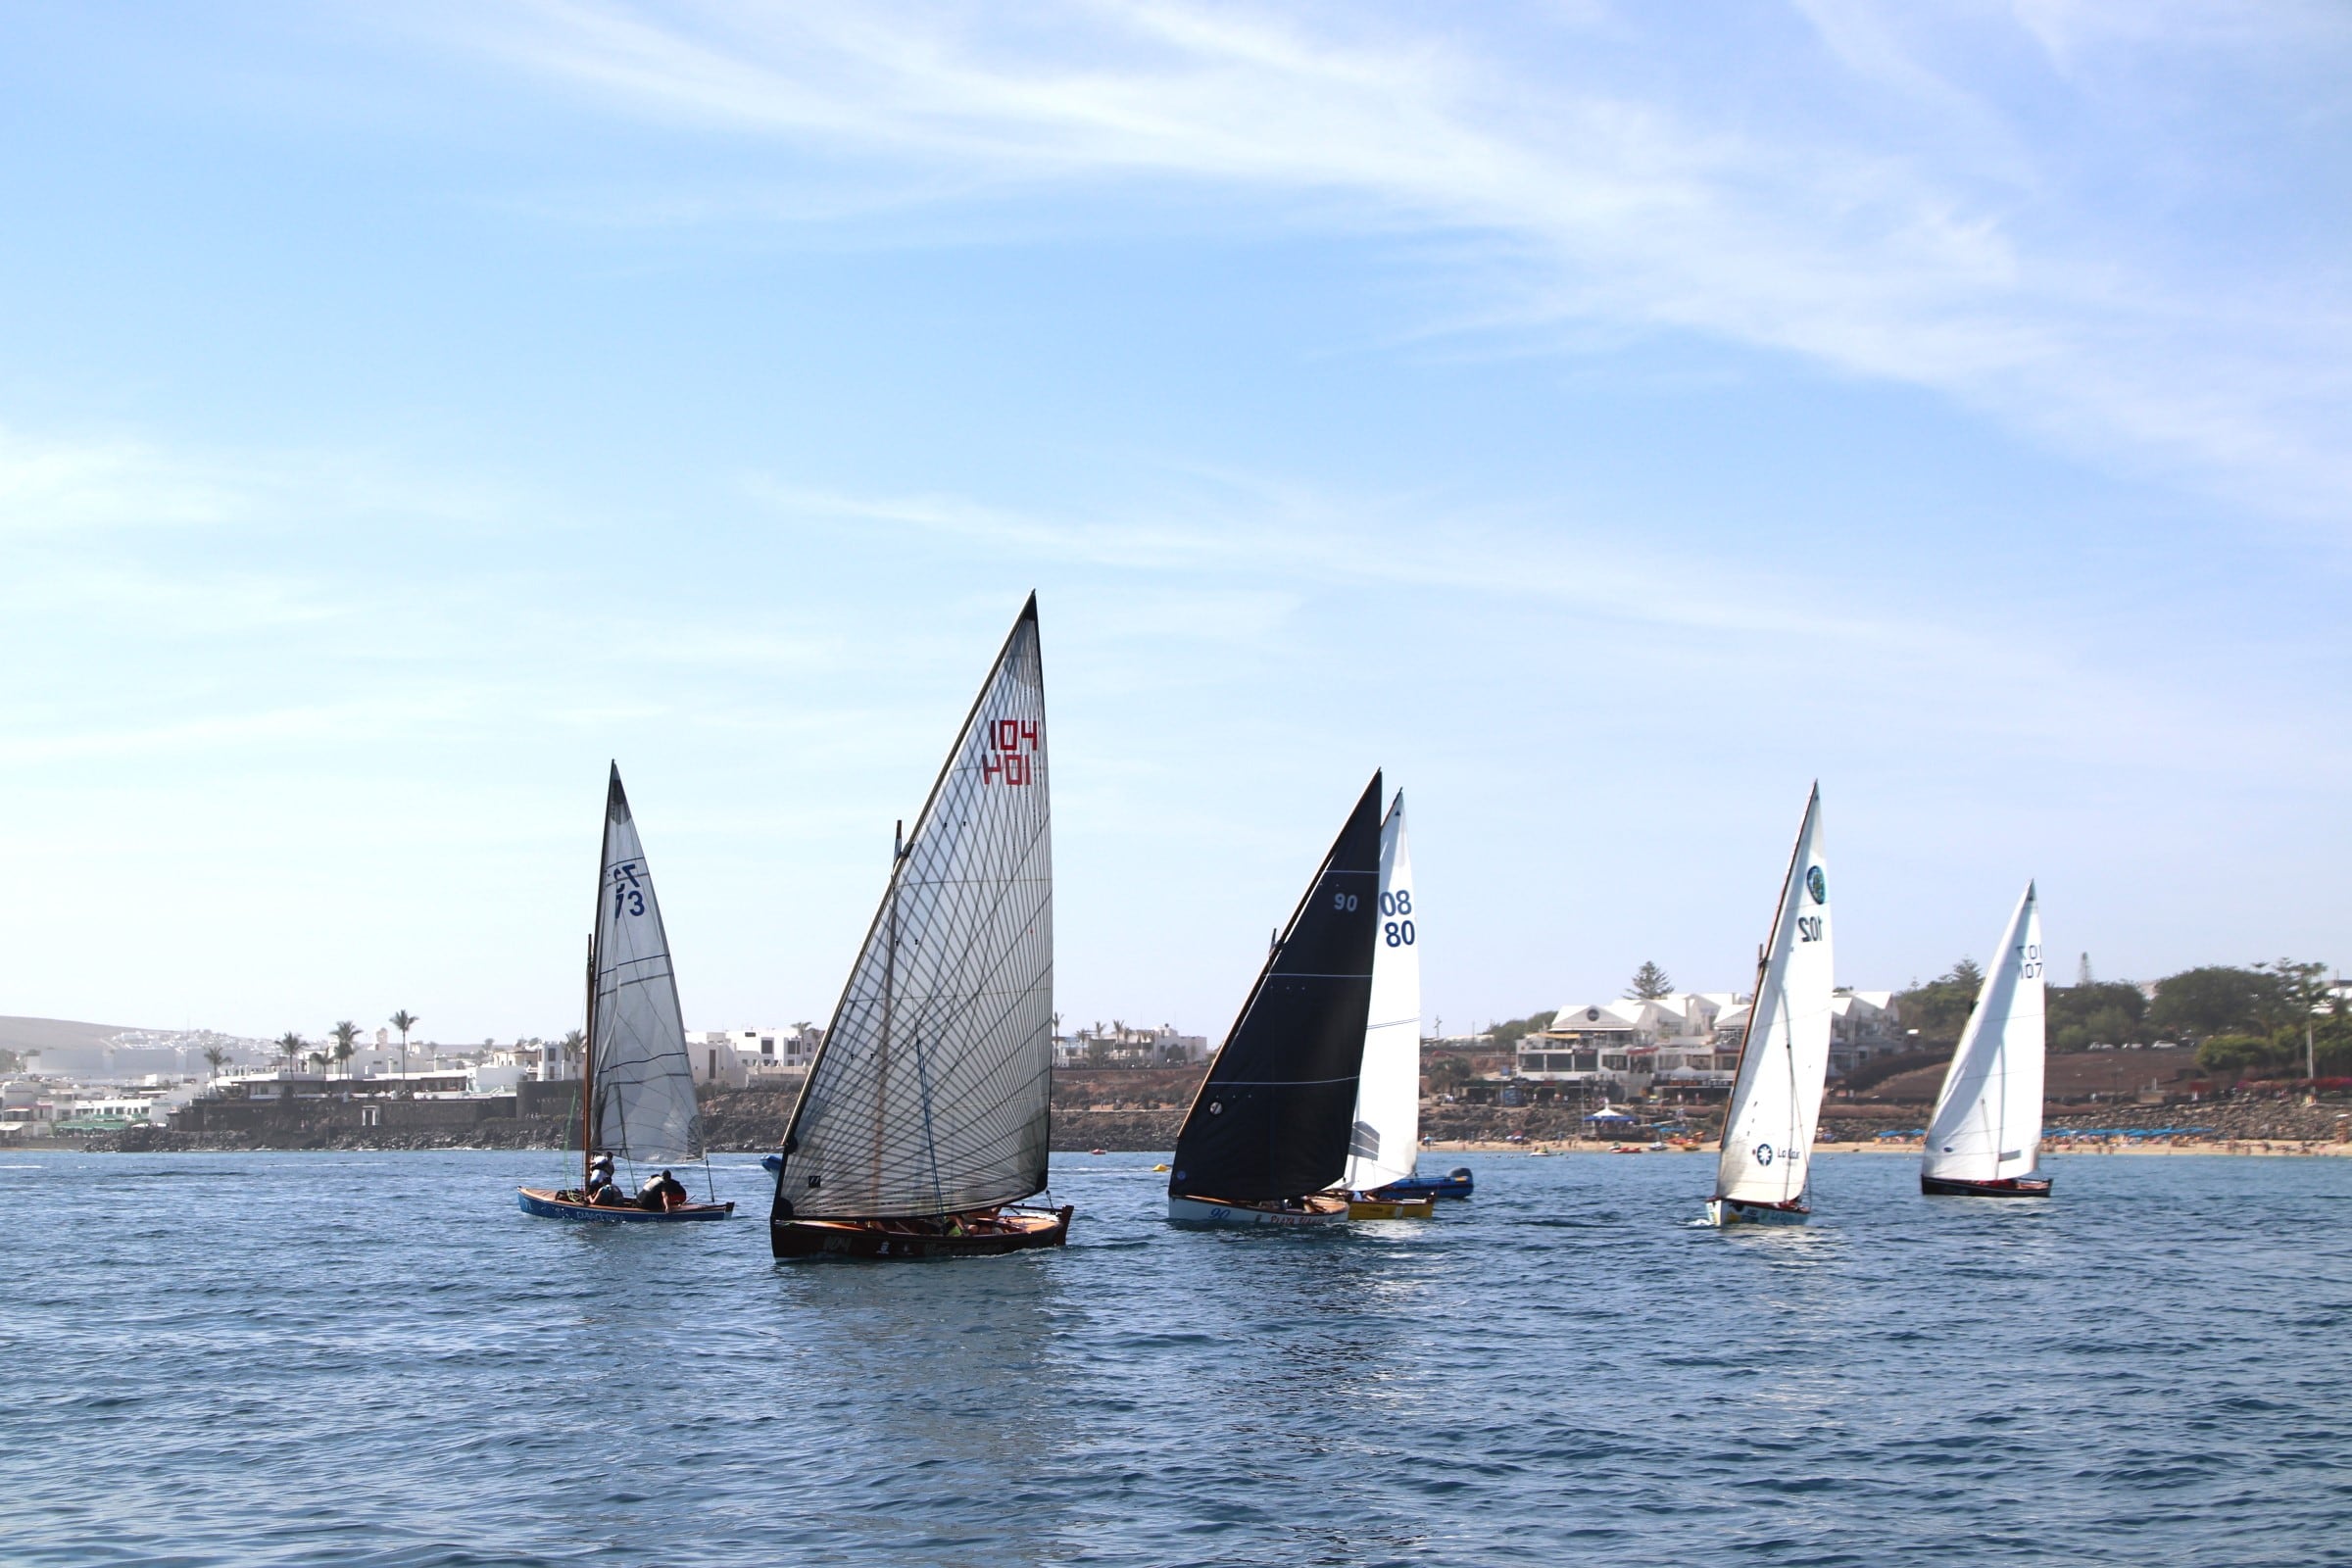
(22, 1035)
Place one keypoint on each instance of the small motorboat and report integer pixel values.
(1456, 1183)
(976, 1235)
(569, 1203)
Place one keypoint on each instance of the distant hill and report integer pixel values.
(22, 1035)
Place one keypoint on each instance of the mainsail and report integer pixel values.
(1384, 1144)
(640, 1083)
(1987, 1120)
(931, 1092)
(1785, 1055)
(1271, 1120)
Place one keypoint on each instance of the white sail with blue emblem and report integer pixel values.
(641, 1101)
(1987, 1120)
(1385, 1141)
(1785, 1055)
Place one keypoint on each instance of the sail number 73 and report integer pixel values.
(628, 893)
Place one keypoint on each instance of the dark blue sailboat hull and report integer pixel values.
(547, 1205)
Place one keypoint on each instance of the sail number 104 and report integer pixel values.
(1012, 746)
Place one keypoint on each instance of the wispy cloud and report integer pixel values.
(1908, 231)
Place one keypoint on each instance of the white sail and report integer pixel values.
(1987, 1120)
(1785, 1058)
(931, 1094)
(1385, 1141)
(642, 1085)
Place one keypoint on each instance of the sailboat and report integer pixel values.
(1385, 1140)
(923, 1120)
(636, 1084)
(1268, 1132)
(1984, 1138)
(1761, 1174)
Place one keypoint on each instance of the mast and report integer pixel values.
(588, 1057)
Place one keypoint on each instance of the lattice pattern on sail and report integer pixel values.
(644, 1107)
(931, 1094)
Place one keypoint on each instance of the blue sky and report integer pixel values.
(1605, 423)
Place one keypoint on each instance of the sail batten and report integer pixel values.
(1273, 1116)
(931, 1092)
(1987, 1125)
(641, 1082)
(1768, 1125)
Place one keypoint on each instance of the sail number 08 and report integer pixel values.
(1398, 932)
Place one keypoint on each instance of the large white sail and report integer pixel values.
(641, 1103)
(1387, 1139)
(1785, 1058)
(931, 1092)
(1987, 1120)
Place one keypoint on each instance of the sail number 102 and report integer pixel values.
(1012, 746)
(1808, 928)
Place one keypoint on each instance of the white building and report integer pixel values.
(739, 1058)
(1118, 1046)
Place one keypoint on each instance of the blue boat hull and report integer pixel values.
(1458, 1183)
(547, 1205)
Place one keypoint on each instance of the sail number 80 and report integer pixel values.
(1399, 932)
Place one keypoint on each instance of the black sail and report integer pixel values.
(1272, 1118)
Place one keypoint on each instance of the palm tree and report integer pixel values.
(404, 1020)
(575, 1046)
(289, 1045)
(319, 1060)
(345, 1033)
(213, 1057)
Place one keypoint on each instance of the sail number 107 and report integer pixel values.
(2028, 960)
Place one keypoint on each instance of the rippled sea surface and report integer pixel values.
(377, 1359)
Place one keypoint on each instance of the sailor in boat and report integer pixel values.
(600, 1182)
(660, 1193)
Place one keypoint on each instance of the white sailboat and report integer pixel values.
(1385, 1142)
(636, 1084)
(1762, 1173)
(1984, 1138)
(925, 1119)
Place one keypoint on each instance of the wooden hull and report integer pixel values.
(1009, 1230)
(1456, 1184)
(1320, 1209)
(2011, 1186)
(548, 1204)
(1362, 1205)
(1725, 1212)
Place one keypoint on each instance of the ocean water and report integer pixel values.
(376, 1359)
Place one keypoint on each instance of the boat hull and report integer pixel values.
(1725, 1212)
(1455, 1184)
(1363, 1206)
(2011, 1186)
(548, 1204)
(1010, 1230)
(1319, 1208)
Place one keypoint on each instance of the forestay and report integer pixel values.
(931, 1092)
(1785, 1055)
(1271, 1118)
(641, 1103)
(1987, 1120)
(1384, 1144)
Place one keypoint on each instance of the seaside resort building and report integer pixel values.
(1681, 1047)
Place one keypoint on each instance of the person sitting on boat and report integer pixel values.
(600, 1178)
(661, 1193)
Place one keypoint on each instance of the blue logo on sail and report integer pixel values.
(1763, 1153)
(1816, 885)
